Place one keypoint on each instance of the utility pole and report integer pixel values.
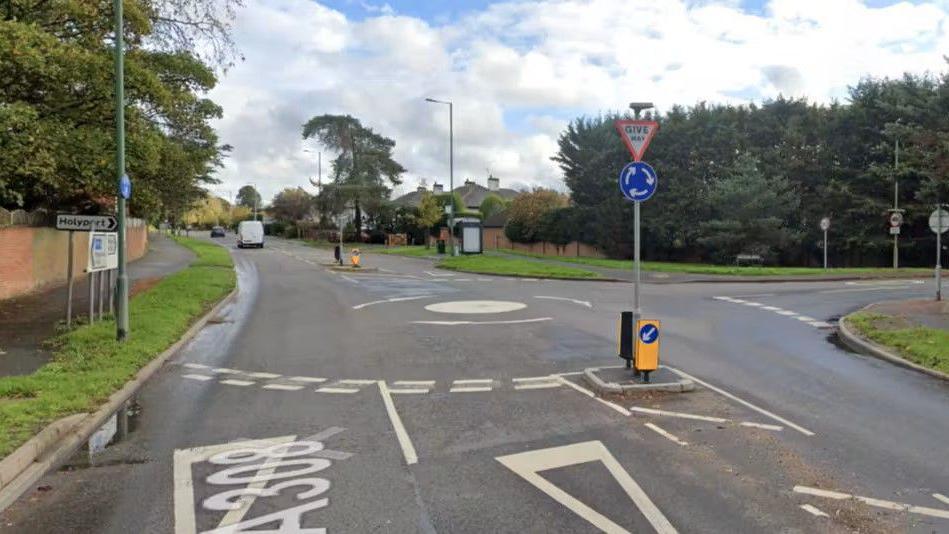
(122, 282)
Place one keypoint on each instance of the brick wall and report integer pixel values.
(33, 258)
(494, 239)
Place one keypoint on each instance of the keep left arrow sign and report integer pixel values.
(86, 223)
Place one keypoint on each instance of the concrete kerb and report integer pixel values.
(53, 445)
(864, 346)
(539, 277)
(602, 387)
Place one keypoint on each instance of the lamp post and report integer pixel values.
(122, 281)
(451, 172)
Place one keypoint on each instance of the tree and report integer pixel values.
(248, 197)
(293, 204)
(752, 213)
(429, 213)
(364, 167)
(526, 212)
(492, 204)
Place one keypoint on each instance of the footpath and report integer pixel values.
(27, 322)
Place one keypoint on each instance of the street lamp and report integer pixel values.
(637, 107)
(451, 172)
(319, 170)
(256, 197)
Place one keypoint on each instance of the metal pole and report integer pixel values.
(939, 252)
(825, 250)
(636, 310)
(451, 178)
(100, 292)
(111, 291)
(92, 297)
(69, 280)
(896, 197)
(341, 238)
(122, 283)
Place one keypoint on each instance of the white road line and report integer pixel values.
(776, 428)
(225, 370)
(283, 387)
(337, 390)
(396, 299)
(813, 510)
(543, 385)
(356, 381)
(198, 377)
(738, 301)
(350, 280)
(309, 379)
(195, 366)
(771, 308)
(820, 324)
(410, 391)
(805, 319)
(569, 373)
(879, 503)
(263, 375)
(590, 394)
(430, 273)
(753, 304)
(864, 289)
(786, 312)
(726, 299)
(941, 497)
(665, 434)
(408, 450)
(575, 301)
(533, 378)
(680, 415)
(235, 382)
(762, 411)
(469, 389)
(755, 295)
(457, 323)
(428, 383)
(474, 381)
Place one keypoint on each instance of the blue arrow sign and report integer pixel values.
(649, 333)
(125, 187)
(638, 181)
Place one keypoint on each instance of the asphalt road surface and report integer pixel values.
(388, 401)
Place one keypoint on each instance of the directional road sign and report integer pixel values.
(896, 219)
(125, 187)
(636, 135)
(86, 223)
(649, 333)
(647, 345)
(934, 221)
(825, 223)
(638, 181)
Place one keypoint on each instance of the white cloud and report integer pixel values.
(536, 64)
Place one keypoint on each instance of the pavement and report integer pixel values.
(419, 400)
(27, 322)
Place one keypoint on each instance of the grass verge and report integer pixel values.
(89, 364)
(919, 344)
(485, 264)
(412, 251)
(707, 268)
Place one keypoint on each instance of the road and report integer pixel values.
(412, 420)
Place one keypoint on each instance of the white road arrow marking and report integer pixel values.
(528, 464)
(575, 301)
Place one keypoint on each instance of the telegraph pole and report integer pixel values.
(122, 282)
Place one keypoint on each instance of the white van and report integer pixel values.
(250, 234)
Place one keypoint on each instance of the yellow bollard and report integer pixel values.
(354, 257)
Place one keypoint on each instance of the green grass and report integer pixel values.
(919, 344)
(491, 264)
(89, 365)
(413, 251)
(707, 268)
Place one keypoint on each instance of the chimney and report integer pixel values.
(494, 183)
(421, 188)
(469, 181)
(438, 189)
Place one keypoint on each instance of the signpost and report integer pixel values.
(825, 225)
(98, 225)
(896, 219)
(86, 223)
(637, 182)
(939, 223)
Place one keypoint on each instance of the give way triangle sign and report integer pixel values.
(636, 135)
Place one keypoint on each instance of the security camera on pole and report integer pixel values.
(638, 182)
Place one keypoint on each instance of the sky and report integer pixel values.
(519, 71)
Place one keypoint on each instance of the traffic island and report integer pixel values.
(620, 381)
(351, 269)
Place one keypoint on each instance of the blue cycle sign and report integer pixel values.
(638, 181)
(649, 333)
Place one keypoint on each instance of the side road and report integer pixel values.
(93, 375)
(27, 322)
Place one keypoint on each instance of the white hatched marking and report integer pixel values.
(879, 503)
(356, 381)
(813, 510)
(534, 378)
(235, 382)
(776, 428)
(336, 390)
(410, 391)
(753, 304)
(473, 381)
(786, 312)
(665, 434)
(590, 394)
(263, 375)
(941, 497)
(469, 389)
(283, 387)
(408, 449)
(196, 366)
(428, 383)
(308, 379)
(770, 308)
(225, 370)
(199, 377)
(542, 385)
(680, 415)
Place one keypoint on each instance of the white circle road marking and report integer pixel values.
(476, 306)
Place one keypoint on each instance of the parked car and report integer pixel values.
(217, 231)
(250, 234)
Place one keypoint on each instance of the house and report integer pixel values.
(472, 194)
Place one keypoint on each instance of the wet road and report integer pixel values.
(470, 416)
